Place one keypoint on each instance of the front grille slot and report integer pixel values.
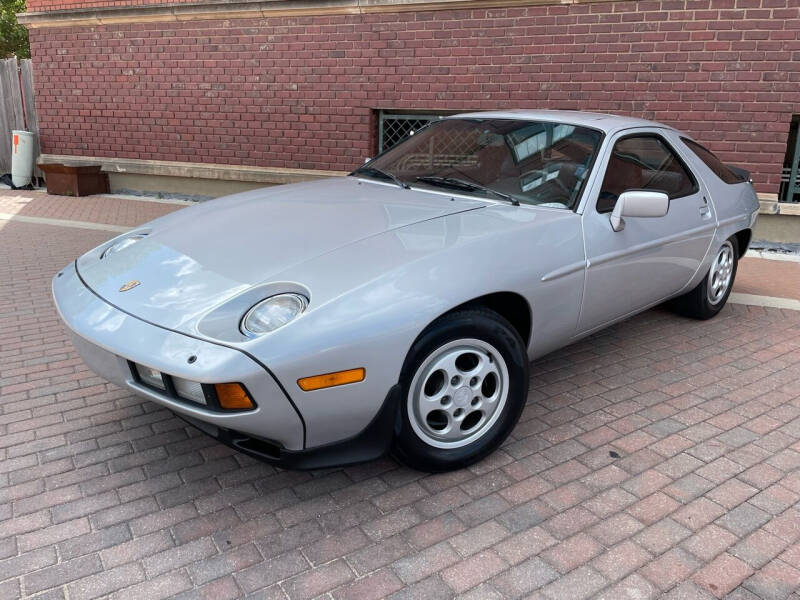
(169, 391)
(263, 448)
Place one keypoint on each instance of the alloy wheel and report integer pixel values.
(458, 393)
(720, 274)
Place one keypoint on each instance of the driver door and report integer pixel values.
(651, 259)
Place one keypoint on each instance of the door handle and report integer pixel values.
(705, 211)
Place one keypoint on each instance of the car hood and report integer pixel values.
(197, 258)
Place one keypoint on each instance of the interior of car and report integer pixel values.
(642, 162)
(541, 163)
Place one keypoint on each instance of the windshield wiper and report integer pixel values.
(469, 186)
(376, 172)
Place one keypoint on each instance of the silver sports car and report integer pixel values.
(397, 309)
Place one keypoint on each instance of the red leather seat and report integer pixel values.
(622, 174)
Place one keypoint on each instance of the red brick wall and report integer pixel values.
(298, 92)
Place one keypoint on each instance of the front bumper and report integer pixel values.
(107, 338)
(372, 442)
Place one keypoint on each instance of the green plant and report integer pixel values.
(13, 36)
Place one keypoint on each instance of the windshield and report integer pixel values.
(531, 162)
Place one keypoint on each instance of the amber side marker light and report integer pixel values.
(233, 396)
(317, 382)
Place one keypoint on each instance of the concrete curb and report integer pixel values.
(765, 301)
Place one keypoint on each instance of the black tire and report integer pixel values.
(480, 324)
(696, 304)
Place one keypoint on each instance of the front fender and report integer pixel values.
(370, 300)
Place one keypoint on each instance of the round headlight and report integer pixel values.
(272, 313)
(122, 244)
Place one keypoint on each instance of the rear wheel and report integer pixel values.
(464, 383)
(711, 294)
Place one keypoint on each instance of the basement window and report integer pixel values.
(394, 127)
(790, 176)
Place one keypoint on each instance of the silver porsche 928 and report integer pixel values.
(397, 309)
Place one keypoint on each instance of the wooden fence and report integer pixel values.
(17, 109)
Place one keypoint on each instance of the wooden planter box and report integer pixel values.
(66, 180)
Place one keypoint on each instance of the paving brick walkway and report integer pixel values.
(97, 209)
(769, 278)
(659, 458)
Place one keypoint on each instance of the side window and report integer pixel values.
(712, 162)
(643, 162)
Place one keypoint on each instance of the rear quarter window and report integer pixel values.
(712, 162)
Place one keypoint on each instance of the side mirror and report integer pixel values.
(638, 203)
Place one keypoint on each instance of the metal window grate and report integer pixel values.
(449, 149)
(394, 128)
(790, 176)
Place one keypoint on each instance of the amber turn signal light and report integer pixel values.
(233, 396)
(318, 382)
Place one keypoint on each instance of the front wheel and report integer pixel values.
(711, 294)
(464, 382)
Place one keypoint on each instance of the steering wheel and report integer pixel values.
(563, 187)
(544, 173)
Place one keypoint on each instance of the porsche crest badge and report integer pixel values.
(129, 286)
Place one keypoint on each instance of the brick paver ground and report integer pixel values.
(97, 209)
(660, 457)
(769, 278)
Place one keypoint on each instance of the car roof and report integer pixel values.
(605, 122)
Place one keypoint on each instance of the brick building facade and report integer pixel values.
(281, 85)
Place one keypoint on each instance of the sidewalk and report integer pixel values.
(769, 277)
(105, 209)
